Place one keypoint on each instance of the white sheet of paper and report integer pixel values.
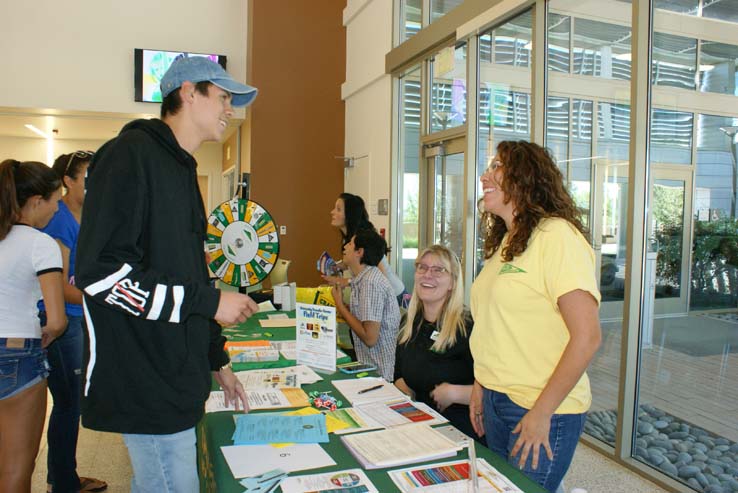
(273, 378)
(277, 322)
(251, 460)
(351, 387)
(278, 316)
(382, 413)
(266, 306)
(401, 445)
(336, 480)
(216, 403)
(266, 399)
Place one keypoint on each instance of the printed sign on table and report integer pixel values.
(316, 336)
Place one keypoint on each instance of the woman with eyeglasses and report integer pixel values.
(535, 306)
(349, 215)
(433, 363)
(30, 269)
(65, 355)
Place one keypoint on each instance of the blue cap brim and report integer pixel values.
(241, 94)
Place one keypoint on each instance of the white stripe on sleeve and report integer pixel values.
(160, 295)
(108, 282)
(178, 294)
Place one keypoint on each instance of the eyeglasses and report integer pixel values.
(435, 270)
(85, 155)
(493, 165)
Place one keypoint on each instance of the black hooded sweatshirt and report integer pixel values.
(151, 340)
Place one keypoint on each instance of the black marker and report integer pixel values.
(363, 391)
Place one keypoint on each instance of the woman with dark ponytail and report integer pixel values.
(349, 215)
(30, 269)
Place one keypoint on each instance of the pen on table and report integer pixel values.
(363, 391)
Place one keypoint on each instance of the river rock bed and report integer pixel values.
(697, 457)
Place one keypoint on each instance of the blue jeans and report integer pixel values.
(163, 463)
(501, 415)
(21, 367)
(65, 384)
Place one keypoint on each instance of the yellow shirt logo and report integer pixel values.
(511, 269)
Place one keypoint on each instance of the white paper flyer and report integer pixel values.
(316, 336)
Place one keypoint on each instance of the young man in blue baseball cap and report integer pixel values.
(153, 340)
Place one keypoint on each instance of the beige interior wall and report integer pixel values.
(78, 55)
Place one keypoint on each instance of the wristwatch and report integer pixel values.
(227, 365)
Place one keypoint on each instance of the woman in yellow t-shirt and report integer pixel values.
(535, 308)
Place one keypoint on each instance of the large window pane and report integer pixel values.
(557, 131)
(674, 61)
(686, 426)
(409, 148)
(504, 93)
(601, 49)
(439, 8)
(726, 10)
(410, 18)
(717, 67)
(448, 91)
(714, 280)
(511, 42)
(559, 32)
(588, 130)
(671, 137)
(685, 7)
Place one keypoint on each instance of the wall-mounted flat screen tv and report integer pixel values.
(150, 66)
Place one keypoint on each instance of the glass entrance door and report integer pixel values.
(609, 226)
(669, 233)
(669, 229)
(445, 192)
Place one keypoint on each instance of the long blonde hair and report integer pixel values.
(451, 320)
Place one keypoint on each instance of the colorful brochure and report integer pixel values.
(327, 266)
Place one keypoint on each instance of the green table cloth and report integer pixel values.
(216, 429)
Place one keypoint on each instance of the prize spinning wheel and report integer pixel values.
(242, 242)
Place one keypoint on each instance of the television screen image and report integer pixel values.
(151, 65)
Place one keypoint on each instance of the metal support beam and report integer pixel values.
(638, 176)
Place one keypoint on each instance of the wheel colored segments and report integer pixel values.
(242, 242)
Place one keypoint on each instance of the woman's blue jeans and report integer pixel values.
(501, 415)
(65, 385)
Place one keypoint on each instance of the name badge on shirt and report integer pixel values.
(434, 335)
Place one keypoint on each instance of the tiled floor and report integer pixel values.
(104, 456)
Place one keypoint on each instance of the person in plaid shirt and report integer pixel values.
(374, 316)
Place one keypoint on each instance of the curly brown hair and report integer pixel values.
(534, 184)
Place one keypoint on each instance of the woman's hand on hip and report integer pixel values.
(476, 409)
(533, 429)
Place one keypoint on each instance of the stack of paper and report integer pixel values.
(251, 351)
(450, 477)
(370, 389)
(253, 355)
(397, 446)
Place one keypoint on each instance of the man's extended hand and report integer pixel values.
(234, 308)
(232, 389)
